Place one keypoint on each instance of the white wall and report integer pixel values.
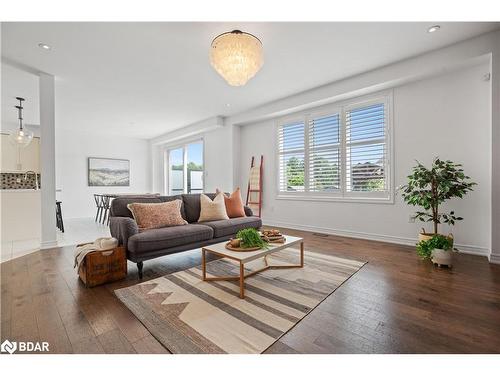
(73, 149)
(446, 116)
(219, 159)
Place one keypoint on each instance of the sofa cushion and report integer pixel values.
(212, 210)
(223, 228)
(157, 215)
(166, 198)
(164, 238)
(192, 206)
(119, 205)
(234, 204)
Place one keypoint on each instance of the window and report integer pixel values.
(341, 153)
(324, 154)
(291, 138)
(365, 148)
(185, 169)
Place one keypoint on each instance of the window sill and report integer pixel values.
(371, 200)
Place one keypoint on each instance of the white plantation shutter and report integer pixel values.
(291, 143)
(366, 149)
(341, 154)
(324, 153)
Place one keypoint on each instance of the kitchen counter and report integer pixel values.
(19, 191)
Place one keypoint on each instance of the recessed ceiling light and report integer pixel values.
(228, 105)
(44, 46)
(433, 29)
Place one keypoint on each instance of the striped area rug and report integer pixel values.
(188, 315)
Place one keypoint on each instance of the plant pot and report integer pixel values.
(423, 236)
(442, 257)
(235, 242)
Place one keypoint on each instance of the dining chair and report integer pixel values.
(98, 204)
(105, 199)
(59, 218)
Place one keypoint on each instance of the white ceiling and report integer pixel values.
(144, 79)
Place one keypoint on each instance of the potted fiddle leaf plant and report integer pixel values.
(439, 249)
(428, 188)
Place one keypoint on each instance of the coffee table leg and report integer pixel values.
(302, 254)
(242, 281)
(203, 265)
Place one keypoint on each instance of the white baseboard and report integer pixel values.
(48, 245)
(467, 249)
(494, 258)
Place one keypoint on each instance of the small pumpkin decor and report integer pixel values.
(439, 249)
(428, 188)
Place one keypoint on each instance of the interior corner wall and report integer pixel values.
(495, 145)
(445, 116)
(218, 161)
(72, 151)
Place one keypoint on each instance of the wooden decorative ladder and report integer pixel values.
(254, 191)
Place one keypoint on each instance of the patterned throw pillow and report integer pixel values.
(234, 204)
(212, 209)
(157, 215)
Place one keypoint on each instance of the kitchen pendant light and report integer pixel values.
(21, 137)
(237, 56)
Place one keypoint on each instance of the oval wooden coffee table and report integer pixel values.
(248, 256)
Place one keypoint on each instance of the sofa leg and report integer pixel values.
(139, 268)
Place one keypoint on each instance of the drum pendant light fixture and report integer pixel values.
(237, 56)
(21, 137)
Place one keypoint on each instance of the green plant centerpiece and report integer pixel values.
(250, 237)
(430, 187)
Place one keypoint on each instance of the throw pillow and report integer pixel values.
(157, 215)
(234, 204)
(212, 209)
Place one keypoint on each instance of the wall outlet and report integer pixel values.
(411, 218)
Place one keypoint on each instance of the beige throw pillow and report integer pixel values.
(157, 215)
(212, 210)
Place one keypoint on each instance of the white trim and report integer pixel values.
(493, 258)
(331, 197)
(48, 245)
(466, 249)
(182, 133)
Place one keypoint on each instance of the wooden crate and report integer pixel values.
(102, 267)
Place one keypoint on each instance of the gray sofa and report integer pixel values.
(154, 243)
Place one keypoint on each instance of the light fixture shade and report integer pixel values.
(236, 56)
(21, 137)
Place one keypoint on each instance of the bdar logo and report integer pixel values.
(24, 346)
(8, 347)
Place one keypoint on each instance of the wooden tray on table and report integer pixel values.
(229, 247)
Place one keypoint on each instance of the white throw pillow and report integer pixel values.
(212, 210)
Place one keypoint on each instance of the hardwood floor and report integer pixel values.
(394, 304)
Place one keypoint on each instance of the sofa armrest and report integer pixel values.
(248, 211)
(122, 228)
